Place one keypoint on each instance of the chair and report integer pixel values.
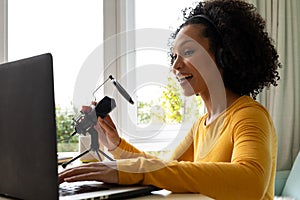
(287, 182)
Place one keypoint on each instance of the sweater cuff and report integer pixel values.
(125, 150)
(119, 150)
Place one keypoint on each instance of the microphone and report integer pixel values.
(121, 90)
(84, 121)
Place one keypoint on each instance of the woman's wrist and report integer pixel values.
(117, 143)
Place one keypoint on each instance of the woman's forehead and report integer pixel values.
(191, 34)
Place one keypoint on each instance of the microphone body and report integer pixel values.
(85, 121)
(121, 90)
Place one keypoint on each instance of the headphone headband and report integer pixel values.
(208, 20)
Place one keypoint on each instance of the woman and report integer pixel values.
(222, 53)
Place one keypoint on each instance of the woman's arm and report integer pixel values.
(185, 150)
(246, 176)
(126, 150)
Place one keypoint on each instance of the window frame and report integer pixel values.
(3, 31)
(119, 33)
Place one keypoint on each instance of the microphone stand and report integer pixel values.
(85, 122)
(94, 147)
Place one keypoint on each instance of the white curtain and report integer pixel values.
(283, 23)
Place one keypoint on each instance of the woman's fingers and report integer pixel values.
(100, 130)
(112, 135)
(69, 173)
(92, 176)
(86, 109)
(94, 171)
(107, 126)
(109, 121)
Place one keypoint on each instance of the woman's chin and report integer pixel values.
(188, 93)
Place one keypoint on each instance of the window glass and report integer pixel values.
(70, 30)
(162, 111)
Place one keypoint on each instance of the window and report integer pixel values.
(68, 29)
(153, 124)
(129, 39)
(71, 31)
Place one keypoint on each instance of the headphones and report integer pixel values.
(219, 52)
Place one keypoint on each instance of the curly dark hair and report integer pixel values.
(249, 56)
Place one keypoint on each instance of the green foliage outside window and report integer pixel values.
(176, 108)
(64, 128)
(143, 112)
(171, 102)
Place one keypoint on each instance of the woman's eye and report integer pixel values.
(188, 52)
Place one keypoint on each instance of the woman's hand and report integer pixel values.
(98, 171)
(107, 132)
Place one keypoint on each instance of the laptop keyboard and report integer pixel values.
(75, 188)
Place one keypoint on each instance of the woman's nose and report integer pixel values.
(177, 64)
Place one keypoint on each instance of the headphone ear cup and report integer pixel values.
(219, 58)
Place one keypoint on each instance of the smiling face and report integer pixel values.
(194, 63)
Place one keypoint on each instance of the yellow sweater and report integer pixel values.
(234, 157)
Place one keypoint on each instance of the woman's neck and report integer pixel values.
(215, 106)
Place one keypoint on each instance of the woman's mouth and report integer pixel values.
(183, 78)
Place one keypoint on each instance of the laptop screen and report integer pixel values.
(27, 129)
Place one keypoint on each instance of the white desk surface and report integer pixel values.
(164, 194)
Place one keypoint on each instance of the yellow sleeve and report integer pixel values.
(246, 176)
(185, 150)
(126, 150)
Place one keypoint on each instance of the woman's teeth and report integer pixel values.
(182, 78)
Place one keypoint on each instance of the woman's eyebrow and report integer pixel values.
(182, 43)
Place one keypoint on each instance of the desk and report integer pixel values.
(164, 194)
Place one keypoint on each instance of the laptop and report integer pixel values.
(28, 145)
